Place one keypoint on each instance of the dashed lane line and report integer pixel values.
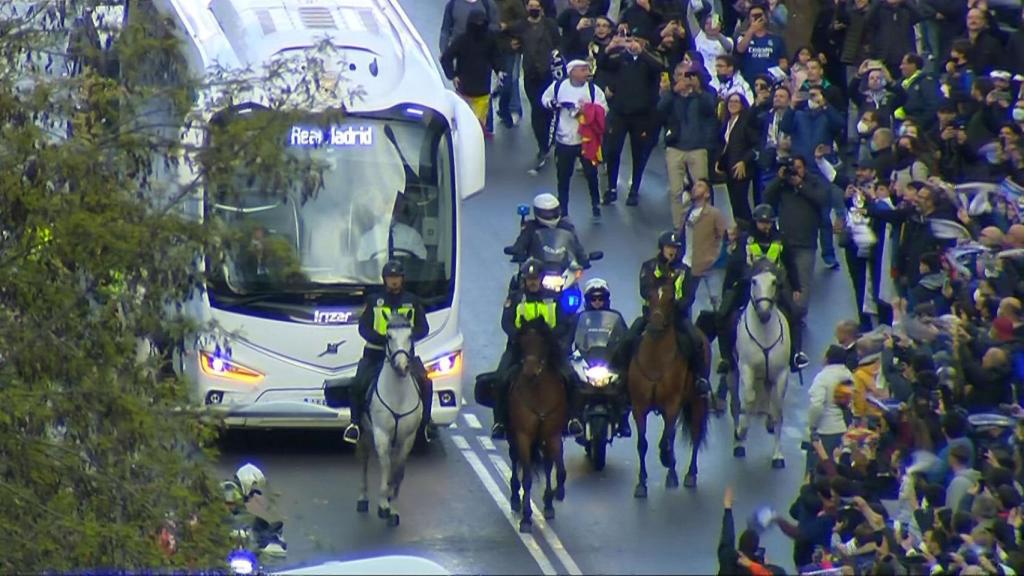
(472, 420)
(481, 471)
(487, 443)
(549, 533)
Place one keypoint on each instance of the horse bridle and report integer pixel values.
(766, 350)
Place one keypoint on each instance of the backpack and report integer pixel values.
(558, 115)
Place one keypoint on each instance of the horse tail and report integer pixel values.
(695, 412)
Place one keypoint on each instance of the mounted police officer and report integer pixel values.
(597, 297)
(547, 213)
(690, 341)
(530, 302)
(764, 242)
(373, 327)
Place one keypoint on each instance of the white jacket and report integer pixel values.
(823, 416)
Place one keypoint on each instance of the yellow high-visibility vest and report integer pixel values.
(755, 253)
(527, 311)
(382, 314)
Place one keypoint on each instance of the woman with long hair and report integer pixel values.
(739, 138)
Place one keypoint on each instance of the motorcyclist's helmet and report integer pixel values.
(669, 238)
(547, 209)
(250, 479)
(393, 268)
(532, 268)
(596, 287)
(764, 213)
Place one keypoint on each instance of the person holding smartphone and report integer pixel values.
(759, 48)
(745, 556)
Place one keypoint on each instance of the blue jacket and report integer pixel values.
(690, 119)
(809, 128)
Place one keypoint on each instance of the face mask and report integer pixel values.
(534, 12)
(1018, 114)
(863, 128)
(812, 105)
(722, 78)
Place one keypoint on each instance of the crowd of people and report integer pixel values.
(887, 133)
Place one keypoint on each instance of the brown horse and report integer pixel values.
(660, 380)
(538, 412)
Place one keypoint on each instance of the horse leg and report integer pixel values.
(777, 407)
(698, 411)
(745, 382)
(640, 417)
(514, 502)
(667, 447)
(363, 454)
(559, 457)
(549, 492)
(383, 444)
(526, 470)
(398, 461)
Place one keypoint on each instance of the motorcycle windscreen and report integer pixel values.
(597, 330)
(553, 247)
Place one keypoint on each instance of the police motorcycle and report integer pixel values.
(553, 247)
(594, 342)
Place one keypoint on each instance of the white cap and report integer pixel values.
(1000, 75)
(574, 63)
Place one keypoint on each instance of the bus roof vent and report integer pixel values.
(317, 17)
(266, 21)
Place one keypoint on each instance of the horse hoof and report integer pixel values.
(671, 480)
(690, 481)
(383, 513)
(769, 427)
(362, 506)
(516, 505)
(778, 463)
(393, 520)
(525, 526)
(549, 513)
(739, 452)
(640, 492)
(560, 493)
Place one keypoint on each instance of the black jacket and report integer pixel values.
(743, 140)
(919, 100)
(648, 279)
(890, 30)
(538, 40)
(524, 244)
(799, 208)
(986, 54)
(737, 270)
(689, 119)
(634, 81)
(391, 302)
(471, 59)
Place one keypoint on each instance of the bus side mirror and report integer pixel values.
(468, 142)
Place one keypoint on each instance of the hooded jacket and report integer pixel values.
(823, 415)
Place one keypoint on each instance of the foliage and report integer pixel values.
(100, 147)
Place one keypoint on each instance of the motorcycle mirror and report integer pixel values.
(523, 210)
(596, 255)
(509, 251)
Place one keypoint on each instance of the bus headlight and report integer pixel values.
(220, 367)
(447, 365)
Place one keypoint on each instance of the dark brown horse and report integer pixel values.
(538, 412)
(660, 380)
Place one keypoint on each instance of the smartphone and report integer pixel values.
(665, 77)
(716, 21)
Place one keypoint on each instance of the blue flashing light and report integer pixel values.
(571, 299)
(415, 112)
(523, 210)
(242, 562)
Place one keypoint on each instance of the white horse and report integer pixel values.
(392, 418)
(762, 355)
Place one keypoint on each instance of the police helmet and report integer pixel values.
(393, 268)
(250, 479)
(532, 268)
(764, 213)
(547, 209)
(669, 238)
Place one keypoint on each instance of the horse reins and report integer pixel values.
(394, 414)
(766, 350)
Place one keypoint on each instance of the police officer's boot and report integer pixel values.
(427, 397)
(624, 430)
(697, 360)
(572, 398)
(796, 333)
(356, 400)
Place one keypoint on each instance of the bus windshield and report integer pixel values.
(376, 189)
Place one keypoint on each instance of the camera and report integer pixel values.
(788, 167)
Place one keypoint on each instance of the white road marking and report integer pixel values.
(464, 401)
(486, 442)
(460, 442)
(549, 533)
(546, 567)
(792, 432)
(473, 421)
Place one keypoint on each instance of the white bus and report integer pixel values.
(402, 160)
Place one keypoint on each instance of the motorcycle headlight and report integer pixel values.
(598, 376)
(553, 282)
(213, 364)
